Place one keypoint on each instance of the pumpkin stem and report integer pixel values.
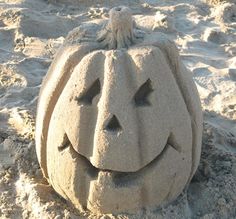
(118, 32)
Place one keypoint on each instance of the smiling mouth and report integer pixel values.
(120, 179)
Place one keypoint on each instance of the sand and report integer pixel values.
(31, 31)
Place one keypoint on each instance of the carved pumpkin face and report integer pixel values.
(117, 130)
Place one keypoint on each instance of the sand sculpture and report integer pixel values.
(119, 121)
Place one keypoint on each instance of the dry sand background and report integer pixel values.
(31, 31)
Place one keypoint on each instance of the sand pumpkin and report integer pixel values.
(119, 120)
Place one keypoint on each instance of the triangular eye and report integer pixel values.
(87, 97)
(141, 96)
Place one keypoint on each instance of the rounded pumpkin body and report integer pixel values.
(118, 129)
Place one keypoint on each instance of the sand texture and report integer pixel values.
(31, 31)
(106, 135)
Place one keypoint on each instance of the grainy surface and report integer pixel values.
(31, 31)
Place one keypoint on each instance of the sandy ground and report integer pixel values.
(31, 31)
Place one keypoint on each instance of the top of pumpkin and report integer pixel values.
(118, 31)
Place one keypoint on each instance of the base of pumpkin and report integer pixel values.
(112, 191)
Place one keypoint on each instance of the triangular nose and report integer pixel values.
(113, 125)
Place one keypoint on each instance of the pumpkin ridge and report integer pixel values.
(157, 51)
(174, 62)
(94, 60)
(132, 69)
(132, 66)
(44, 120)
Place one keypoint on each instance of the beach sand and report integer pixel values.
(31, 31)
